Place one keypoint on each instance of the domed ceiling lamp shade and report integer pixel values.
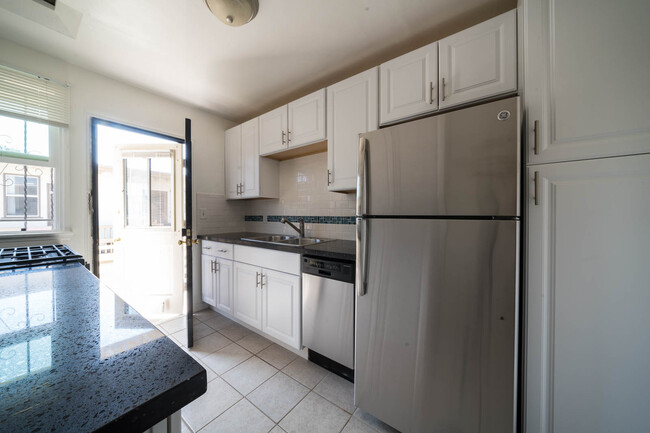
(234, 12)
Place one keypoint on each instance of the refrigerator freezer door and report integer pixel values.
(436, 331)
(461, 163)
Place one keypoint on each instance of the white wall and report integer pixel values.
(98, 96)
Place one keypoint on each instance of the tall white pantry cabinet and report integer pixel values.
(587, 129)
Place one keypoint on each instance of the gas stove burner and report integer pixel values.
(41, 255)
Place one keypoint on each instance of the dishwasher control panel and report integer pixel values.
(334, 269)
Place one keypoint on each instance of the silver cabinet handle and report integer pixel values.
(257, 279)
(262, 280)
(442, 88)
(431, 92)
(362, 256)
(241, 189)
(283, 138)
(362, 178)
(212, 266)
(217, 267)
(288, 137)
(536, 180)
(329, 177)
(536, 142)
(237, 189)
(223, 251)
(207, 248)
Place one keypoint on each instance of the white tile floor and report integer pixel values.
(257, 386)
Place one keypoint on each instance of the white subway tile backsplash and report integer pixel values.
(303, 192)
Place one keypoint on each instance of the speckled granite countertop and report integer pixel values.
(74, 357)
(335, 249)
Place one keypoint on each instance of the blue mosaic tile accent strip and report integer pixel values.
(350, 220)
(254, 218)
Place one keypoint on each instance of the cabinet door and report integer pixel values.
(281, 306)
(480, 61)
(224, 285)
(307, 119)
(232, 157)
(352, 107)
(207, 280)
(588, 345)
(273, 131)
(408, 84)
(586, 79)
(247, 294)
(250, 159)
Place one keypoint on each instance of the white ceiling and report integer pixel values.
(177, 48)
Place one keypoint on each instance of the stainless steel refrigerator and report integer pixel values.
(438, 270)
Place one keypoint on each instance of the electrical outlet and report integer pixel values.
(202, 213)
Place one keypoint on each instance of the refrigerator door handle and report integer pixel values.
(362, 178)
(362, 255)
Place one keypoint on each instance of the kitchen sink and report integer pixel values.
(294, 241)
(270, 238)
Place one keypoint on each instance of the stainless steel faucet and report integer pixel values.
(301, 230)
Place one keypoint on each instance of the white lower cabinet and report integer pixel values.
(248, 295)
(208, 293)
(587, 321)
(217, 282)
(281, 306)
(268, 299)
(224, 287)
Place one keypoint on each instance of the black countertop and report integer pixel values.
(334, 249)
(74, 357)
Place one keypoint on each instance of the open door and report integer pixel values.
(147, 225)
(188, 233)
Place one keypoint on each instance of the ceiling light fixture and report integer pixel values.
(234, 12)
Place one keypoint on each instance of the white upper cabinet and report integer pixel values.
(352, 107)
(233, 161)
(248, 175)
(273, 131)
(587, 321)
(479, 62)
(587, 79)
(408, 84)
(250, 172)
(307, 119)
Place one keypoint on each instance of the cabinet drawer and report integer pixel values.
(217, 249)
(269, 259)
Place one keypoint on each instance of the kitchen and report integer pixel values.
(579, 287)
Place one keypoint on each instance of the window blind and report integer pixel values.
(31, 97)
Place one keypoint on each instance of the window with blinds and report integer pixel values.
(31, 97)
(33, 112)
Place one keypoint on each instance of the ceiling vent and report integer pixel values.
(49, 3)
(55, 15)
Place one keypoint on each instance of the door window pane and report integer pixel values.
(137, 191)
(161, 191)
(149, 190)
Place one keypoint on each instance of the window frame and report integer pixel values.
(57, 159)
(6, 195)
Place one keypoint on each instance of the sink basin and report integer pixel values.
(294, 241)
(301, 242)
(271, 238)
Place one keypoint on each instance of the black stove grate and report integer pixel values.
(40, 255)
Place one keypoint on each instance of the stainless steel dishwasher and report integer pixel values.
(328, 313)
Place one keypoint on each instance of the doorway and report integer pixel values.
(139, 203)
